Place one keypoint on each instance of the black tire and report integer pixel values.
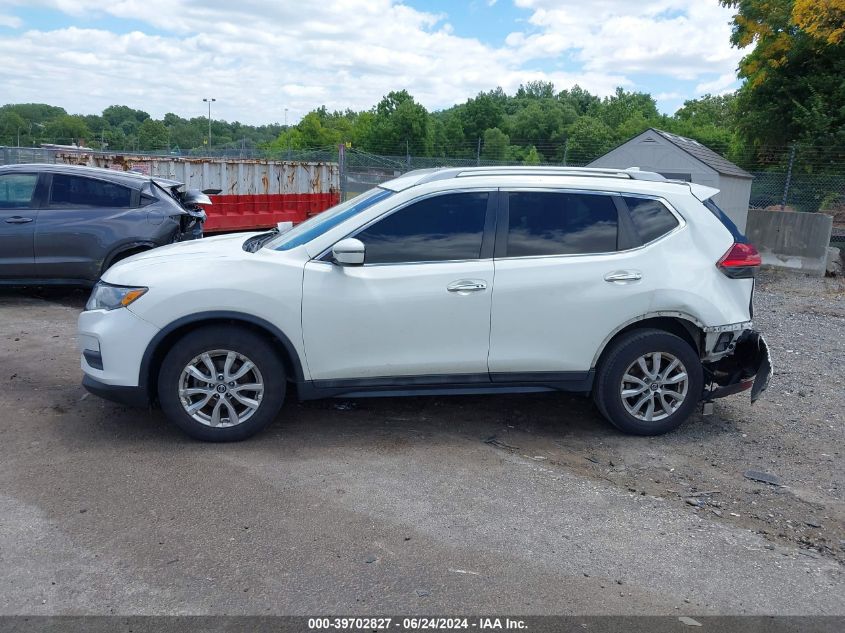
(622, 353)
(227, 338)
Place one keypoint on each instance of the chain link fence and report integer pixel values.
(800, 182)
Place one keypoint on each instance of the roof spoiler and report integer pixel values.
(702, 192)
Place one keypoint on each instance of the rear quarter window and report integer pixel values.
(651, 218)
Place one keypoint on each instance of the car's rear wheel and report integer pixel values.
(221, 384)
(649, 382)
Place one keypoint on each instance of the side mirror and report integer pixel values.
(349, 252)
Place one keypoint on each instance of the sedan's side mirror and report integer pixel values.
(349, 252)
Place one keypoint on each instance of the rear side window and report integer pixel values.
(78, 191)
(650, 217)
(16, 190)
(550, 223)
(447, 227)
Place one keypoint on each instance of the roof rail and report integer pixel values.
(631, 173)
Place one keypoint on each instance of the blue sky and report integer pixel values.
(259, 58)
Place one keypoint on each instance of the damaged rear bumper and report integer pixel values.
(749, 366)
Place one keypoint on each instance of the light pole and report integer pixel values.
(209, 100)
(286, 118)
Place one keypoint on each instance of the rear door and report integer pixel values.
(18, 213)
(76, 229)
(567, 274)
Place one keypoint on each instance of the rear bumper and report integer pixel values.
(748, 367)
(130, 396)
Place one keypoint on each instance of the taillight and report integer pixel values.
(740, 262)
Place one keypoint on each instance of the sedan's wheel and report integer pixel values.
(221, 384)
(221, 388)
(649, 382)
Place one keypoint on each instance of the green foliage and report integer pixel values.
(153, 135)
(589, 138)
(532, 157)
(794, 88)
(481, 113)
(398, 124)
(68, 129)
(496, 145)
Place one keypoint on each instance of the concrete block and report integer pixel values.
(791, 239)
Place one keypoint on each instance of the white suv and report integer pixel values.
(614, 283)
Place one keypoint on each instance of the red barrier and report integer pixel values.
(238, 213)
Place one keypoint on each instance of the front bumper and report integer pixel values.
(112, 344)
(130, 396)
(748, 367)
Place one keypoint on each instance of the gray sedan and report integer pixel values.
(64, 224)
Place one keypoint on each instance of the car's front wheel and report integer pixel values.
(221, 384)
(649, 382)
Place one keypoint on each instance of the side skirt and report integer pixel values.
(447, 384)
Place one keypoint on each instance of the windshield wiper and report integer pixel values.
(257, 241)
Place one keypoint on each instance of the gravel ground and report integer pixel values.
(522, 503)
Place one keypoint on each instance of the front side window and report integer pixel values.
(16, 190)
(440, 228)
(559, 223)
(650, 217)
(78, 191)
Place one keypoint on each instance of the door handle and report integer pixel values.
(621, 276)
(16, 219)
(467, 285)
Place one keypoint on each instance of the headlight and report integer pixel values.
(108, 297)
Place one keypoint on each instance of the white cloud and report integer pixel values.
(722, 84)
(10, 21)
(676, 38)
(258, 58)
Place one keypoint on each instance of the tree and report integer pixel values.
(153, 135)
(399, 124)
(67, 130)
(542, 123)
(589, 138)
(821, 19)
(580, 100)
(793, 72)
(496, 145)
(623, 105)
(482, 113)
(117, 114)
(709, 110)
(532, 157)
(536, 90)
(11, 126)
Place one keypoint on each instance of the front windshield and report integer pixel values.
(319, 224)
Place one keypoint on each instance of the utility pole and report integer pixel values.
(209, 100)
(478, 153)
(286, 118)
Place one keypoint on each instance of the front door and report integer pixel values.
(18, 213)
(420, 304)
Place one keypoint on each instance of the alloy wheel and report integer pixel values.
(654, 386)
(221, 388)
